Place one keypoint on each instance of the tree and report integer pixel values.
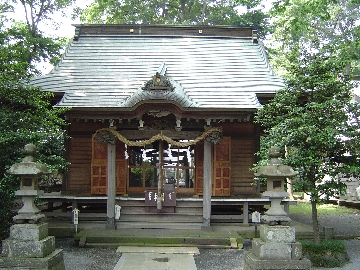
(26, 115)
(39, 46)
(315, 48)
(205, 12)
(310, 24)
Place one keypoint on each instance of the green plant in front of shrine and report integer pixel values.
(328, 253)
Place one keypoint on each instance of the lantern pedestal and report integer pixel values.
(275, 214)
(276, 249)
(29, 213)
(30, 247)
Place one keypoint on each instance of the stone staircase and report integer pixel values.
(187, 215)
(134, 214)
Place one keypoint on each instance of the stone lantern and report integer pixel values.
(276, 173)
(277, 247)
(29, 245)
(29, 172)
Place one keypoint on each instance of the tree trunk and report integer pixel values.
(315, 222)
(182, 11)
(289, 188)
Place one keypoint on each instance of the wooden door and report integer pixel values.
(99, 168)
(221, 168)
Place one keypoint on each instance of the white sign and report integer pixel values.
(76, 216)
(255, 217)
(117, 211)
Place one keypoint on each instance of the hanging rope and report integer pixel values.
(158, 137)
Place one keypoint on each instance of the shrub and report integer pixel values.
(329, 253)
(7, 203)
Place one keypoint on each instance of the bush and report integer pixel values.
(7, 203)
(329, 253)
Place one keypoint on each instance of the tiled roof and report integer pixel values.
(209, 71)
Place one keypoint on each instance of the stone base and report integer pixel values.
(28, 218)
(277, 234)
(251, 262)
(28, 249)
(276, 251)
(54, 261)
(275, 219)
(29, 232)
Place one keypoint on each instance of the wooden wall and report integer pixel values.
(243, 146)
(242, 159)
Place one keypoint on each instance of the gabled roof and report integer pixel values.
(107, 66)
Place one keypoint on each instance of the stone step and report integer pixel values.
(89, 240)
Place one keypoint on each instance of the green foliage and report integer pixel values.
(8, 185)
(315, 48)
(42, 11)
(311, 117)
(208, 12)
(26, 115)
(329, 253)
(307, 25)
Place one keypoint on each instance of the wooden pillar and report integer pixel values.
(111, 186)
(207, 184)
(246, 214)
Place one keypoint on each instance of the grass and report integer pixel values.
(325, 209)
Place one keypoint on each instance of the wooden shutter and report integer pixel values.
(199, 167)
(221, 168)
(121, 168)
(99, 168)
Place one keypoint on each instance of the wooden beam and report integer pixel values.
(146, 134)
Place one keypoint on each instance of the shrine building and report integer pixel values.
(162, 116)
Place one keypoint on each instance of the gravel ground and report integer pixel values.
(215, 259)
(220, 259)
(76, 258)
(344, 224)
(208, 259)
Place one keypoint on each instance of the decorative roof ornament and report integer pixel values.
(159, 87)
(159, 81)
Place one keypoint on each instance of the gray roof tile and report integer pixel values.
(210, 72)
